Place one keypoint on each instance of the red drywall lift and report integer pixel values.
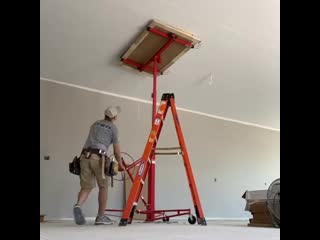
(166, 44)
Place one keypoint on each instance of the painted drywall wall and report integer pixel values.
(239, 157)
(81, 42)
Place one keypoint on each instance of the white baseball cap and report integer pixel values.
(111, 112)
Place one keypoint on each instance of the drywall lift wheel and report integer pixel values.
(192, 219)
(165, 219)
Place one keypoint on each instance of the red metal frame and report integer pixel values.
(137, 65)
(168, 35)
(161, 214)
(156, 58)
(157, 55)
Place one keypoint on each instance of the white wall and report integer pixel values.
(241, 157)
(81, 43)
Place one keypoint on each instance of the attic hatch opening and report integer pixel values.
(157, 48)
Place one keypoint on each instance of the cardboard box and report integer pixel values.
(253, 197)
(260, 225)
(262, 221)
(256, 203)
(262, 216)
(259, 207)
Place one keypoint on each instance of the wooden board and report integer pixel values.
(262, 220)
(144, 193)
(259, 225)
(265, 216)
(147, 44)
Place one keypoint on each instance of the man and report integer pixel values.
(102, 134)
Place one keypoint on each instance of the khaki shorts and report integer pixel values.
(91, 172)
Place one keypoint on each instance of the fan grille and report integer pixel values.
(273, 200)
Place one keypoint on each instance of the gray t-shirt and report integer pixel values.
(102, 134)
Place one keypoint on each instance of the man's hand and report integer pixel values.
(121, 165)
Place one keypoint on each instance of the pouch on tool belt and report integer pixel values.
(111, 168)
(74, 166)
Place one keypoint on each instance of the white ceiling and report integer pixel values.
(234, 74)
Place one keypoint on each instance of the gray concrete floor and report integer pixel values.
(217, 230)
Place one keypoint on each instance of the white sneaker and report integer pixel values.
(104, 220)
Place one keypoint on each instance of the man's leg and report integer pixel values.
(82, 196)
(101, 219)
(103, 194)
(87, 183)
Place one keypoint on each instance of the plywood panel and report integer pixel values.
(151, 44)
(147, 44)
(178, 31)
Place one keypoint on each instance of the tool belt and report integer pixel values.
(88, 151)
(110, 166)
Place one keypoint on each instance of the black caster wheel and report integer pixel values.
(123, 222)
(192, 219)
(166, 219)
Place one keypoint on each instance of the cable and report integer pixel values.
(122, 175)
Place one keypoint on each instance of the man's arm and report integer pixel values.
(117, 151)
(116, 148)
(117, 154)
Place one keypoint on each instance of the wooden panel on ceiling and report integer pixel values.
(147, 44)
